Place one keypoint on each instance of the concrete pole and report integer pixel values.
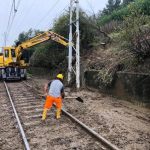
(77, 46)
(70, 44)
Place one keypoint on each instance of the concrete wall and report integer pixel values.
(131, 86)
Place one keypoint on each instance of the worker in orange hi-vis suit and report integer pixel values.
(55, 94)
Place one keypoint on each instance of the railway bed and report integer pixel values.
(121, 122)
(51, 134)
(9, 135)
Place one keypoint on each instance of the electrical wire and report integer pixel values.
(48, 12)
(9, 16)
(13, 17)
(8, 24)
(13, 14)
(60, 13)
(18, 4)
(15, 11)
(27, 12)
(29, 9)
(91, 7)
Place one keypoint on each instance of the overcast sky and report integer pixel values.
(38, 14)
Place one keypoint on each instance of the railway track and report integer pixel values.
(52, 134)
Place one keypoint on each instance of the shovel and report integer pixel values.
(77, 98)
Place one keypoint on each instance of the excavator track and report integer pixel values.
(51, 134)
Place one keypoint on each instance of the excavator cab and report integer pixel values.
(8, 64)
(9, 56)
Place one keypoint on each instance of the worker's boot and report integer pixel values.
(58, 112)
(44, 114)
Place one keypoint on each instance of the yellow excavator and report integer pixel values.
(14, 60)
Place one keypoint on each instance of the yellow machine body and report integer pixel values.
(1, 60)
(12, 62)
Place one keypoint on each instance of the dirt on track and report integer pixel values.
(123, 123)
(51, 134)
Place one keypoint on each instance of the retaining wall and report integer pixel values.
(126, 85)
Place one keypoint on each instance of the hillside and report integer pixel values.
(124, 29)
(113, 56)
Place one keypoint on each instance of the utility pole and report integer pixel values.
(74, 4)
(77, 46)
(70, 43)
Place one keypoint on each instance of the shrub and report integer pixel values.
(136, 32)
(125, 11)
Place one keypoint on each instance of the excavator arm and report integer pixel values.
(49, 35)
(13, 62)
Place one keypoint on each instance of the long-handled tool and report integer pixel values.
(77, 98)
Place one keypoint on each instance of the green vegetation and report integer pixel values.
(136, 33)
(53, 55)
(119, 13)
(25, 36)
(130, 34)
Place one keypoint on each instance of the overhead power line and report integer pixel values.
(14, 6)
(11, 19)
(8, 24)
(60, 13)
(26, 14)
(47, 13)
(91, 7)
(18, 4)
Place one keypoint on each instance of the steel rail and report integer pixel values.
(18, 120)
(95, 134)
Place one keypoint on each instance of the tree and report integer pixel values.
(24, 36)
(52, 54)
(136, 32)
(86, 30)
(111, 6)
(27, 35)
(125, 2)
(117, 4)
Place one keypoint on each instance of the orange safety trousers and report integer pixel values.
(50, 100)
